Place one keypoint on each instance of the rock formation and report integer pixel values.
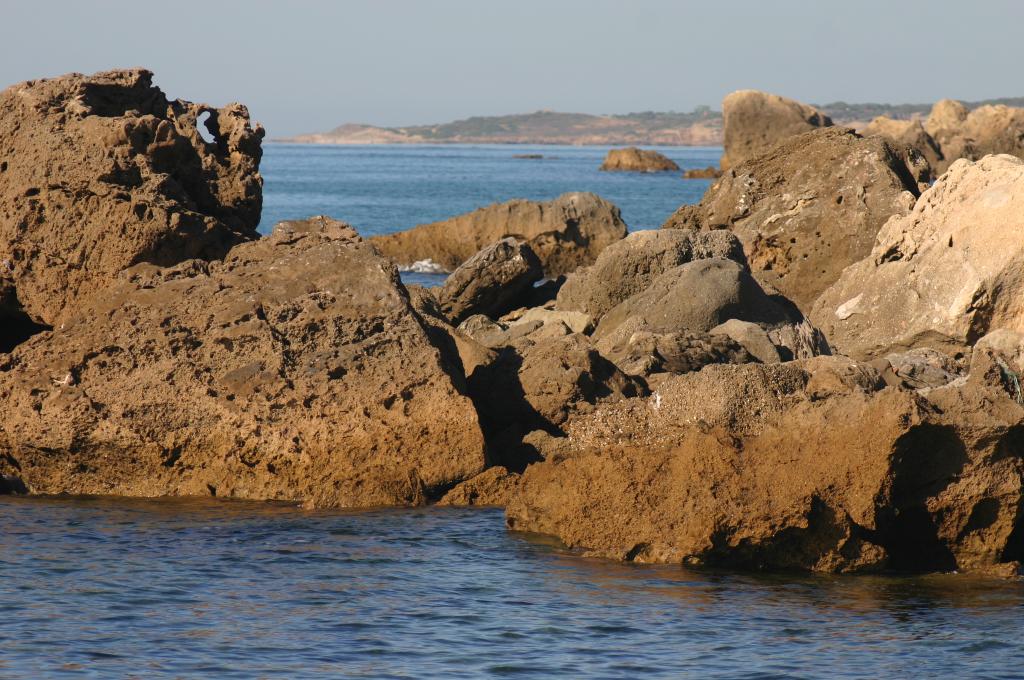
(295, 369)
(710, 172)
(755, 121)
(941, 276)
(565, 233)
(809, 207)
(704, 472)
(490, 282)
(990, 129)
(911, 134)
(632, 159)
(101, 172)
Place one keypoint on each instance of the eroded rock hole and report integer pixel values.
(204, 121)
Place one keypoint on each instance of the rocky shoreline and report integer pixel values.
(815, 368)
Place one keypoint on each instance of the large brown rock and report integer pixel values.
(491, 282)
(101, 172)
(774, 467)
(629, 266)
(756, 121)
(294, 369)
(565, 233)
(632, 159)
(941, 276)
(809, 207)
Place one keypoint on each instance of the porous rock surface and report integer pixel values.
(101, 172)
(809, 207)
(491, 282)
(756, 121)
(961, 133)
(771, 466)
(941, 276)
(294, 369)
(632, 159)
(565, 233)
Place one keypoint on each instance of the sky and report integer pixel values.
(307, 66)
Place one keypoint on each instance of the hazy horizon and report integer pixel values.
(393, 63)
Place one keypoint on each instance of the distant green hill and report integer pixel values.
(700, 127)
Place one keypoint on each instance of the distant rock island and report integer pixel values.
(700, 127)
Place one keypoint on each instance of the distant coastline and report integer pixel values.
(700, 127)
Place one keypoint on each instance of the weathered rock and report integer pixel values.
(577, 322)
(492, 487)
(491, 282)
(638, 351)
(294, 369)
(629, 266)
(921, 368)
(537, 386)
(808, 208)
(940, 277)
(975, 134)
(696, 297)
(751, 337)
(755, 121)
(101, 172)
(565, 233)
(703, 473)
(912, 134)
(632, 159)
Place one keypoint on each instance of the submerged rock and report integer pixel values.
(295, 369)
(101, 172)
(565, 233)
(710, 172)
(941, 276)
(632, 159)
(809, 207)
(755, 121)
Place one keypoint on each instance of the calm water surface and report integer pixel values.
(129, 588)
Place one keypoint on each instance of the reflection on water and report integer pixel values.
(187, 587)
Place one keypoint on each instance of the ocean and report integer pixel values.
(106, 587)
(380, 189)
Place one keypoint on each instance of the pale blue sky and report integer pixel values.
(308, 66)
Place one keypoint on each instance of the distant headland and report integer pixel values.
(700, 127)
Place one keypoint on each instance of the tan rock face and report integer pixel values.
(911, 134)
(491, 282)
(565, 233)
(756, 121)
(101, 172)
(294, 369)
(632, 159)
(941, 276)
(808, 208)
(975, 134)
(704, 472)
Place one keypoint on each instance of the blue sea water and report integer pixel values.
(204, 588)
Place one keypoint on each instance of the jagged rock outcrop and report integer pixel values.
(630, 265)
(101, 172)
(941, 276)
(704, 472)
(756, 121)
(910, 134)
(632, 159)
(294, 369)
(565, 233)
(491, 282)
(638, 351)
(809, 207)
(986, 130)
